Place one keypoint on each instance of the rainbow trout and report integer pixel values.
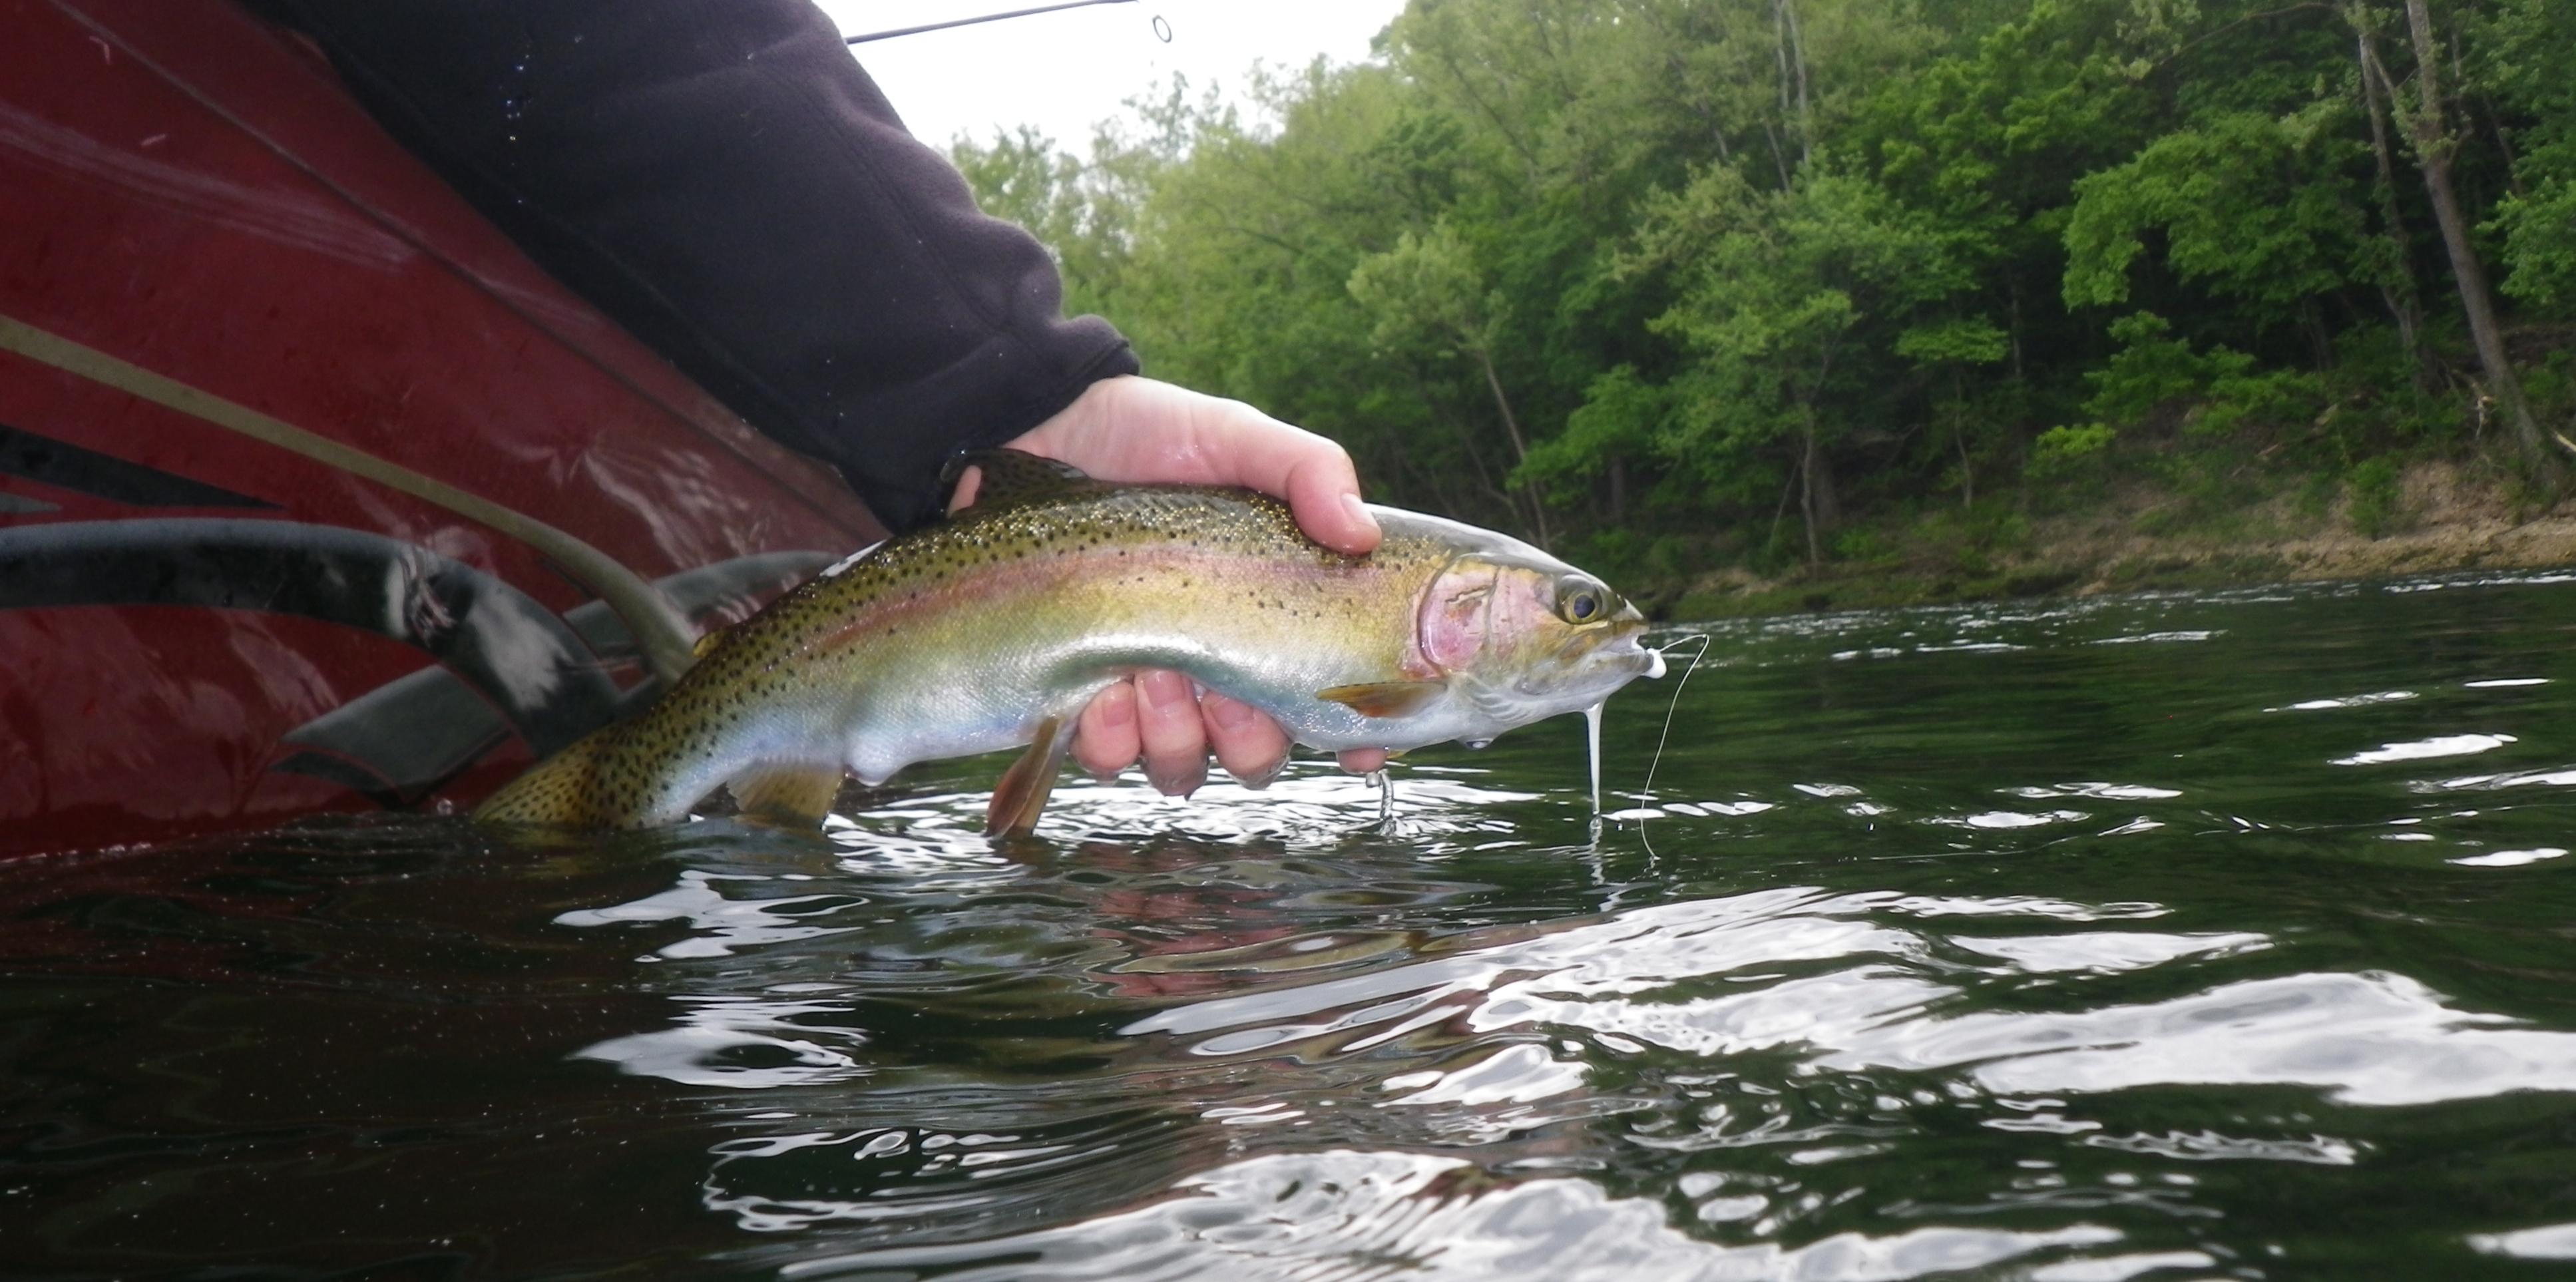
(994, 628)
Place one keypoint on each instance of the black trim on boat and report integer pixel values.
(66, 466)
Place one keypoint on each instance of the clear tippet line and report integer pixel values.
(1646, 799)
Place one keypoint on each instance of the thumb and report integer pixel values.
(1324, 495)
(1312, 473)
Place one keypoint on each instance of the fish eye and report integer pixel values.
(1581, 602)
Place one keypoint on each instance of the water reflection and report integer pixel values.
(1346, 1214)
(1276, 1038)
(2001, 951)
(1177, 1001)
(2551, 1242)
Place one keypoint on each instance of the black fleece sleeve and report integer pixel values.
(722, 178)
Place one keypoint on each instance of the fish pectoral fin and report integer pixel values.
(1025, 787)
(1385, 698)
(706, 643)
(794, 794)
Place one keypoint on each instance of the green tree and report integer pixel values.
(1854, 255)
(2532, 48)
(2436, 158)
(1427, 292)
(1781, 298)
(2257, 207)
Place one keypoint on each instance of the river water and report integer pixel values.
(2214, 935)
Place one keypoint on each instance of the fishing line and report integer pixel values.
(1164, 27)
(1646, 799)
(1385, 795)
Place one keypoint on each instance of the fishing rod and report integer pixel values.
(996, 17)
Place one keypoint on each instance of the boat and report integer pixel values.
(316, 495)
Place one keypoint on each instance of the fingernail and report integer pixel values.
(1164, 690)
(1179, 785)
(1359, 513)
(1260, 779)
(1117, 711)
(1229, 714)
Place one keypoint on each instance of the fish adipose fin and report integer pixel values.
(1384, 698)
(1015, 476)
(1024, 788)
(787, 794)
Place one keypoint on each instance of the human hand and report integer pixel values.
(1138, 429)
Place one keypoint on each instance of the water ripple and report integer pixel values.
(1344, 1214)
(1988, 939)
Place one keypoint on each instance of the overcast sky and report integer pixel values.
(1062, 71)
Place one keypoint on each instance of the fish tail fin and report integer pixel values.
(557, 792)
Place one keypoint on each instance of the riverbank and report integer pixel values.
(2434, 517)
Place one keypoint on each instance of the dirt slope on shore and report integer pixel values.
(2444, 518)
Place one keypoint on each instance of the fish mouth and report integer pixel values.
(1621, 643)
(1599, 661)
(1630, 646)
(1583, 671)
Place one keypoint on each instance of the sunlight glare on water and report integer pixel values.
(2186, 935)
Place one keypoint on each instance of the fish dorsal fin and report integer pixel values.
(1384, 698)
(1016, 476)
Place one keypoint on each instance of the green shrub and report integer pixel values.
(2069, 453)
(2375, 501)
(2239, 397)
(1860, 543)
(2150, 369)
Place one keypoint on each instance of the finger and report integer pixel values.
(1325, 497)
(1363, 761)
(1174, 734)
(970, 482)
(1249, 745)
(1311, 472)
(1105, 739)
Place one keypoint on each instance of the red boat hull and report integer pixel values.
(203, 239)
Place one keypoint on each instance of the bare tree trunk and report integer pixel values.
(1959, 437)
(1797, 473)
(1427, 478)
(2504, 144)
(1794, 56)
(1708, 117)
(1829, 500)
(2434, 148)
(1475, 457)
(1780, 51)
(1817, 503)
(1778, 161)
(1807, 499)
(1520, 447)
(1967, 470)
(2404, 302)
(2012, 294)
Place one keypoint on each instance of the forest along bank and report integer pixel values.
(1856, 299)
